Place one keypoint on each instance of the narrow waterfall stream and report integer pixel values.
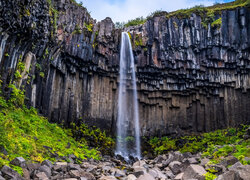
(128, 111)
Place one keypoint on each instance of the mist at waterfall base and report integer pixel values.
(128, 112)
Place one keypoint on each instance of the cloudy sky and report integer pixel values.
(124, 10)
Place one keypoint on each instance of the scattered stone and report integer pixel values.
(146, 177)
(10, 173)
(108, 178)
(204, 162)
(41, 175)
(179, 176)
(46, 170)
(235, 166)
(19, 161)
(194, 171)
(33, 166)
(192, 161)
(130, 177)
(175, 167)
(26, 174)
(229, 161)
(47, 163)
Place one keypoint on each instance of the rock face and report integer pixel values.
(190, 78)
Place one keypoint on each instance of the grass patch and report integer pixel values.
(215, 145)
(135, 22)
(25, 133)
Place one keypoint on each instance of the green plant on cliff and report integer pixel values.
(217, 23)
(93, 137)
(89, 27)
(215, 144)
(24, 133)
(135, 22)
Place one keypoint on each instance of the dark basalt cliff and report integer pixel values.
(191, 78)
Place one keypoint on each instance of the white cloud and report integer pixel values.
(125, 10)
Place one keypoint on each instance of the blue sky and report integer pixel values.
(124, 10)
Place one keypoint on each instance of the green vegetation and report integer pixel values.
(89, 27)
(93, 137)
(207, 13)
(24, 133)
(217, 23)
(138, 40)
(210, 176)
(215, 145)
(157, 13)
(77, 30)
(41, 74)
(53, 16)
(135, 22)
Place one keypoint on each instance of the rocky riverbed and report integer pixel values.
(171, 166)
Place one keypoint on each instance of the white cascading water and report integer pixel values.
(128, 111)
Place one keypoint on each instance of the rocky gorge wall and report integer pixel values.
(190, 78)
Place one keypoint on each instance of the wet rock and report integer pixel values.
(195, 172)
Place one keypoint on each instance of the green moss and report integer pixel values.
(89, 27)
(24, 133)
(217, 23)
(41, 74)
(215, 144)
(135, 22)
(77, 30)
(210, 176)
(138, 40)
(93, 137)
(6, 55)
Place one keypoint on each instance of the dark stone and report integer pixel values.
(10, 173)
(47, 163)
(19, 161)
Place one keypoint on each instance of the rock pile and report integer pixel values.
(172, 166)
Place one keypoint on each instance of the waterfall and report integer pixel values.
(128, 111)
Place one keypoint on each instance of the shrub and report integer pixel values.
(135, 22)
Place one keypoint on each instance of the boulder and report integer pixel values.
(46, 170)
(130, 177)
(175, 167)
(204, 162)
(235, 166)
(19, 161)
(146, 177)
(229, 161)
(41, 175)
(1, 178)
(139, 163)
(195, 172)
(192, 161)
(10, 173)
(179, 176)
(108, 178)
(47, 163)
